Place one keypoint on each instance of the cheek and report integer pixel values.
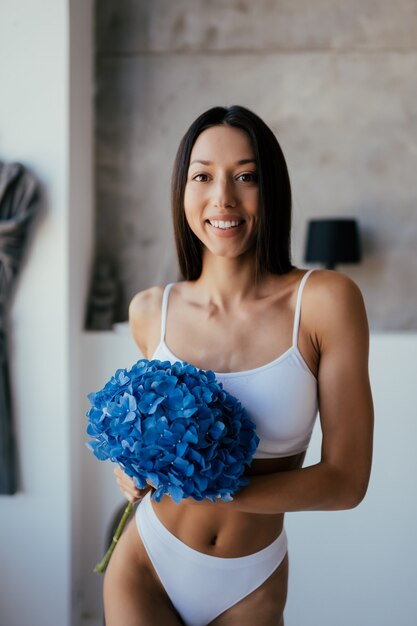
(192, 205)
(188, 201)
(254, 202)
(192, 196)
(190, 217)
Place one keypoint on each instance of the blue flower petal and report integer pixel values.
(181, 465)
(190, 436)
(176, 493)
(217, 430)
(130, 417)
(165, 386)
(181, 448)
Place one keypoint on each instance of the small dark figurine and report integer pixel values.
(103, 297)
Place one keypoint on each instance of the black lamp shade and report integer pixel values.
(333, 241)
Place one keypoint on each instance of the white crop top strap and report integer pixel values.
(298, 308)
(165, 297)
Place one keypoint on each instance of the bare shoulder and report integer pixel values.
(146, 302)
(328, 286)
(145, 316)
(335, 306)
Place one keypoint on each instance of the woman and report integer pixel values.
(285, 342)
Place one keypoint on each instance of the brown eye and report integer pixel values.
(248, 177)
(200, 178)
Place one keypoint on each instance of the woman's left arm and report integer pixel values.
(336, 316)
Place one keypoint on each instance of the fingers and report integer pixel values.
(127, 486)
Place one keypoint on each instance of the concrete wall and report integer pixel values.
(335, 80)
(45, 123)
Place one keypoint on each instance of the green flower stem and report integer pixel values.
(100, 567)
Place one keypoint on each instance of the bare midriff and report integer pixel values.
(222, 532)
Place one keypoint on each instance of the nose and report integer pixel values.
(224, 195)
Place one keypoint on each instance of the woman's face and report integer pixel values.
(221, 199)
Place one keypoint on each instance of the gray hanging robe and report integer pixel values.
(18, 199)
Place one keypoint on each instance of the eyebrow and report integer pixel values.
(241, 162)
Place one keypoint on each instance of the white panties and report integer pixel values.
(201, 586)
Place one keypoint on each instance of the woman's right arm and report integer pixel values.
(144, 322)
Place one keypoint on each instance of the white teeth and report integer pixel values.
(224, 224)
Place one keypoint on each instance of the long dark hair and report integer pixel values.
(272, 243)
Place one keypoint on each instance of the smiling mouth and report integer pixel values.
(226, 224)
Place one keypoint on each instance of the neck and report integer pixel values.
(228, 281)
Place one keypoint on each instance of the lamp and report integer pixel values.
(333, 241)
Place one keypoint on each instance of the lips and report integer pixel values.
(225, 217)
(225, 228)
(225, 224)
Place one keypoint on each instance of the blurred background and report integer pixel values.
(94, 100)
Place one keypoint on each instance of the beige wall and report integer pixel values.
(335, 81)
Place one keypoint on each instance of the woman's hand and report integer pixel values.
(127, 486)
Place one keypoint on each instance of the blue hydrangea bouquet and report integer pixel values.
(173, 426)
